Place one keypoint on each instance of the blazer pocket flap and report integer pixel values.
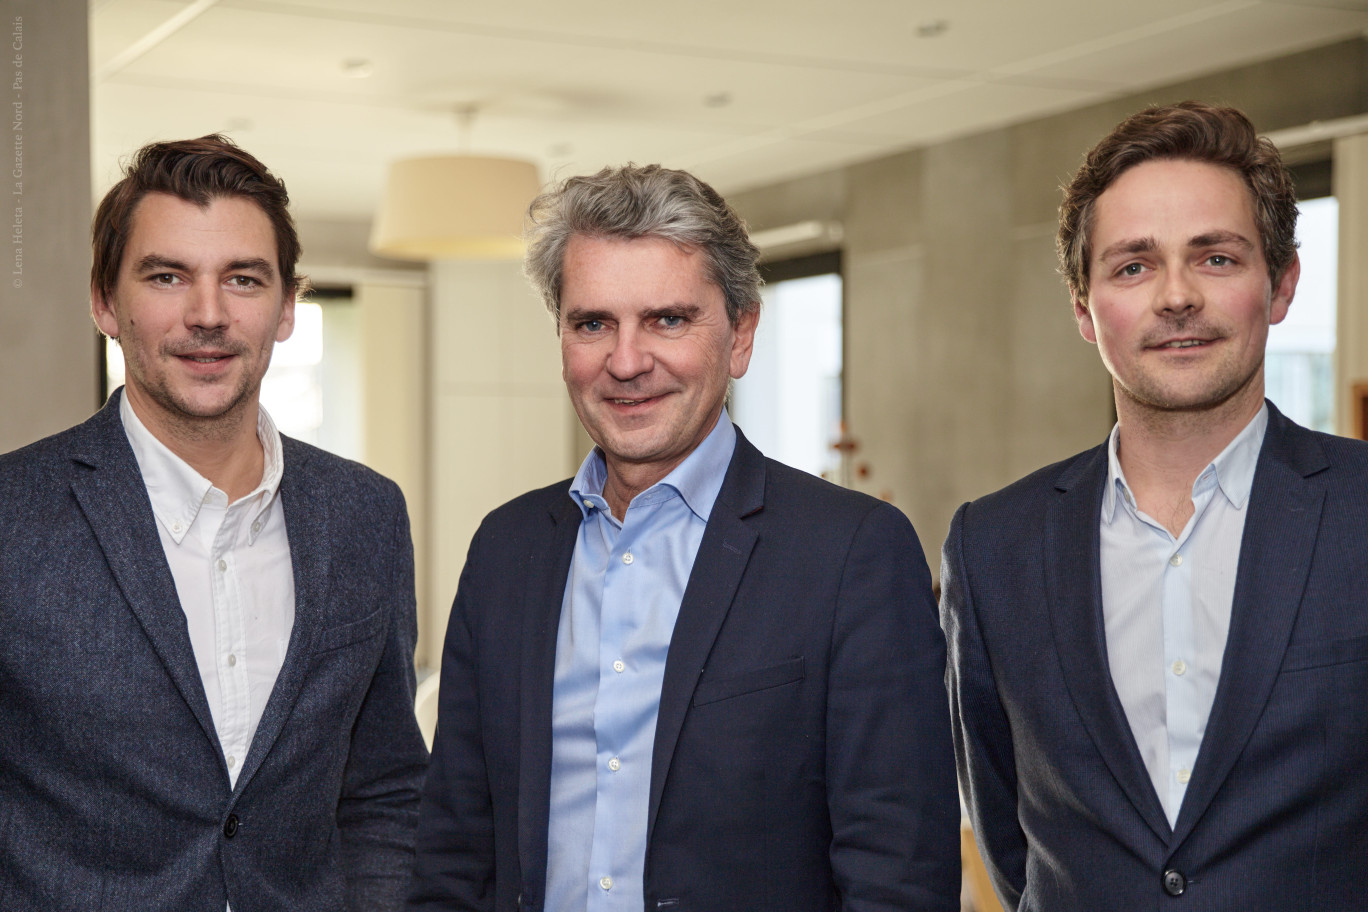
(723, 687)
(352, 632)
(1329, 652)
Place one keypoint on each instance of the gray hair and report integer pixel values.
(642, 201)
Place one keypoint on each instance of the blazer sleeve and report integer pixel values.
(983, 737)
(378, 807)
(890, 768)
(455, 866)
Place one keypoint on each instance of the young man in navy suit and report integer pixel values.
(691, 678)
(1153, 644)
(206, 671)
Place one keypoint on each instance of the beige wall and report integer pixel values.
(500, 422)
(1351, 349)
(48, 366)
(964, 369)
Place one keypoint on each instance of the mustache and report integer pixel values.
(1186, 326)
(201, 340)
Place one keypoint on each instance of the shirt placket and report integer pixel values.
(1184, 723)
(230, 640)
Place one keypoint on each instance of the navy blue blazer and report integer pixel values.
(114, 791)
(802, 758)
(1276, 812)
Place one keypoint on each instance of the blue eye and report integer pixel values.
(672, 320)
(591, 325)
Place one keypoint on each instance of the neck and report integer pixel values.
(226, 449)
(1163, 451)
(624, 482)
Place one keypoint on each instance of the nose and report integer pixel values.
(1178, 293)
(631, 356)
(205, 307)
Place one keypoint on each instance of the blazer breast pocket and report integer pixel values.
(1305, 656)
(712, 689)
(372, 625)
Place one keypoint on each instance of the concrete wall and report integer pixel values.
(48, 361)
(964, 369)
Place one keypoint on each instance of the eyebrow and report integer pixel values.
(1132, 246)
(1219, 238)
(155, 262)
(1129, 247)
(584, 315)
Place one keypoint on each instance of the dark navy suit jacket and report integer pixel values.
(802, 757)
(114, 791)
(1276, 812)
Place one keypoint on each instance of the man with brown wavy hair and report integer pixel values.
(206, 671)
(1150, 642)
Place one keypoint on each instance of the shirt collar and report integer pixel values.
(698, 479)
(177, 491)
(1233, 467)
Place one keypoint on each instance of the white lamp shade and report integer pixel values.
(454, 207)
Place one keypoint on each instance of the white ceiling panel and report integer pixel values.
(745, 93)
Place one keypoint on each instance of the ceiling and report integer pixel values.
(327, 92)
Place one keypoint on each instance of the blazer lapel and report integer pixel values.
(548, 567)
(1073, 579)
(110, 490)
(717, 571)
(304, 499)
(1275, 558)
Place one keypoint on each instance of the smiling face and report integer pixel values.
(196, 309)
(1180, 298)
(646, 351)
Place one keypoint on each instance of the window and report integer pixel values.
(1299, 365)
(789, 402)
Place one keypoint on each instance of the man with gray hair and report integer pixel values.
(691, 678)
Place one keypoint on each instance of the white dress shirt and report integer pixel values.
(1166, 605)
(231, 565)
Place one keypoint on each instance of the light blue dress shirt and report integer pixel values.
(1166, 605)
(626, 582)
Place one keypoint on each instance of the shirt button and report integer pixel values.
(1176, 560)
(606, 882)
(627, 557)
(176, 527)
(1179, 667)
(615, 764)
(256, 526)
(222, 565)
(588, 504)
(1184, 775)
(619, 666)
(232, 660)
(232, 761)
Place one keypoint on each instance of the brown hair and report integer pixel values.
(1194, 131)
(197, 171)
(643, 201)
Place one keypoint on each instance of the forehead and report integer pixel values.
(611, 273)
(229, 228)
(1172, 201)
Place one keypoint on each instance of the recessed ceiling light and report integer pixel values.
(932, 28)
(717, 100)
(358, 68)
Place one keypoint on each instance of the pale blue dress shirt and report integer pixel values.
(1166, 605)
(626, 582)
